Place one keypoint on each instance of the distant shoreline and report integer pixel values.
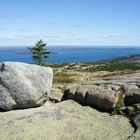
(68, 55)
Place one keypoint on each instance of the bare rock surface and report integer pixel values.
(99, 96)
(135, 136)
(104, 92)
(67, 120)
(24, 85)
(56, 94)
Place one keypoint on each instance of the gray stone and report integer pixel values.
(113, 87)
(70, 91)
(129, 84)
(63, 121)
(23, 85)
(99, 96)
(102, 98)
(135, 136)
(56, 94)
(132, 94)
(80, 94)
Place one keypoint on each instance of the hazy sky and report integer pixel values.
(70, 22)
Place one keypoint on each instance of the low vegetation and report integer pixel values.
(96, 66)
(112, 66)
(57, 65)
(118, 110)
(131, 112)
(63, 78)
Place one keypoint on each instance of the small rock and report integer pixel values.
(56, 95)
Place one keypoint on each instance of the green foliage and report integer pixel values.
(133, 113)
(63, 78)
(120, 104)
(113, 66)
(39, 53)
(58, 65)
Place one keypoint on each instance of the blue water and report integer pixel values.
(67, 54)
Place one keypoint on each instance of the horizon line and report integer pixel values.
(59, 45)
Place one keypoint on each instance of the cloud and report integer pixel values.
(114, 36)
(8, 15)
(53, 36)
(71, 38)
(19, 40)
(74, 26)
(24, 30)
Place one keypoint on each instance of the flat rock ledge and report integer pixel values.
(67, 120)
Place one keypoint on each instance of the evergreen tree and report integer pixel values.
(39, 52)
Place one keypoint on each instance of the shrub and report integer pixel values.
(120, 104)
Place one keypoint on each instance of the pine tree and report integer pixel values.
(39, 52)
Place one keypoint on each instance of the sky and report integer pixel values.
(70, 22)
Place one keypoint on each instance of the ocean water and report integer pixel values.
(68, 54)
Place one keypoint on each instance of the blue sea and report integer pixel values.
(68, 53)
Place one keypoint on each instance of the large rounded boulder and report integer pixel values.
(24, 85)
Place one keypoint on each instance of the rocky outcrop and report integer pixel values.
(102, 97)
(130, 84)
(24, 85)
(63, 121)
(103, 93)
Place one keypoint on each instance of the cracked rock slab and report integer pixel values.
(66, 120)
